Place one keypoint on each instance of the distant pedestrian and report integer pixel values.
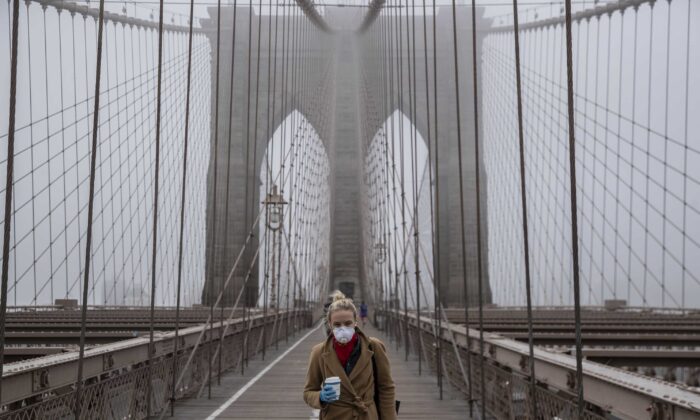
(363, 313)
(349, 376)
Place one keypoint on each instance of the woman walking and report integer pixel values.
(357, 362)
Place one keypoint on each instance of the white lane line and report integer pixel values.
(257, 377)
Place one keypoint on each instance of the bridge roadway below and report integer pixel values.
(277, 393)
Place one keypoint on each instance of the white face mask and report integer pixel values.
(343, 334)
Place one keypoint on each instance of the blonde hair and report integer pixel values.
(340, 303)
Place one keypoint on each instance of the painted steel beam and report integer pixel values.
(609, 338)
(623, 394)
(643, 357)
(60, 370)
(16, 354)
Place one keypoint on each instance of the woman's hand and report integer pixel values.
(328, 394)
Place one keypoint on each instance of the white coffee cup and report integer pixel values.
(334, 381)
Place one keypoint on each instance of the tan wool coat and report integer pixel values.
(357, 391)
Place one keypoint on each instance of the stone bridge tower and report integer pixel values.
(339, 122)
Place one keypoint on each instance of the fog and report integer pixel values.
(637, 84)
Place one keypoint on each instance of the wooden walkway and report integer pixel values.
(275, 392)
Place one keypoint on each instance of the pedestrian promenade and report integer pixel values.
(272, 389)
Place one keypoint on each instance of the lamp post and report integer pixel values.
(381, 253)
(380, 256)
(274, 206)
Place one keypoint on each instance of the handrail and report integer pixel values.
(24, 379)
(624, 394)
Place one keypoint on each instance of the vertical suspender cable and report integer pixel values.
(395, 301)
(182, 211)
(388, 69)
(63, 153)
(631, 168)
(685, 157)
(460, 163)
(9, 181)
(87, 128)
(274, 104)
(271, 153)
(407, 238)
(437, 281)
(155, 214)
(477, 179)
(427, 119)
(523, 197)
(397, 279)
(250, 176)
(388, 88)
(292, 179)
(382, 54)
(103, 162)
(214, 170)
(403, 192)
(618, 137)
(606, 141)
(48, 154)
(414, 168)
(574, 216)
(228, 180)
(14, 203)
(648, 160)
(253, 176)
(91, 202)
(31, 152)
(244, 354)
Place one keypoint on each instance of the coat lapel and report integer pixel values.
(364, 360)
(333, 364)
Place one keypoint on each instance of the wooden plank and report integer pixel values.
(278, 393)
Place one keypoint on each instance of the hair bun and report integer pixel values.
(338, 295)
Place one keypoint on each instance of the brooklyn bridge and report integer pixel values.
(511, 188)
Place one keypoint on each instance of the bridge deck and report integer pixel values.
(277, 393)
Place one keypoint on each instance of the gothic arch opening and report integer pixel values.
(399, 206)
(294, 229)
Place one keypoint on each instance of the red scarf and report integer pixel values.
(343, 351)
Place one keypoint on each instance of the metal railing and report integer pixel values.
(116, 375)
(610, 393)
